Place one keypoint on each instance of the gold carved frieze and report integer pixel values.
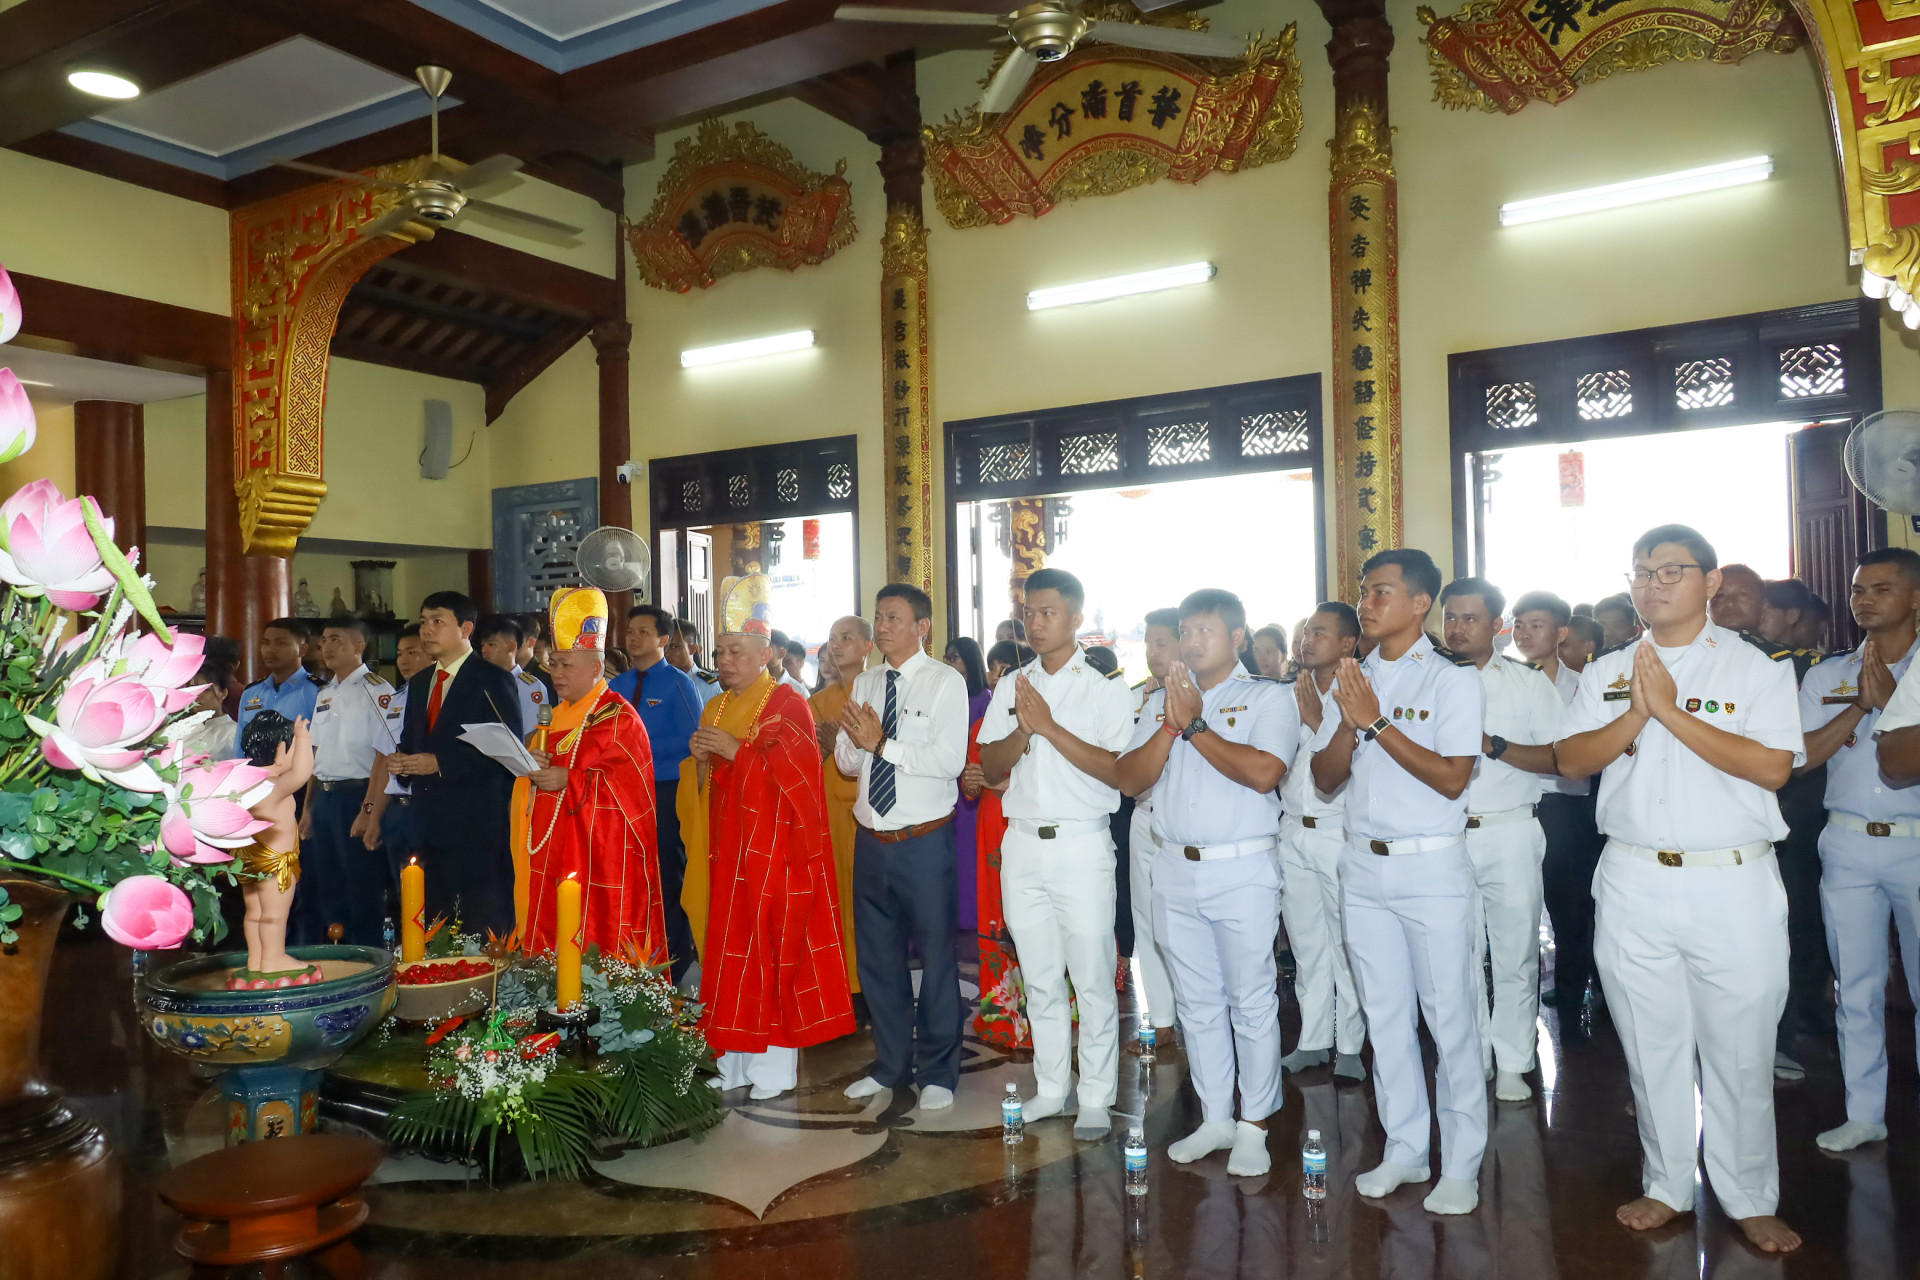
(293, 261)
(732, 200)
(906, 399)
(1106, 119)
(1499, 55)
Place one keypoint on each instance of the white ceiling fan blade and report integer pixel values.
(341, 174)
(390, 221)
(1193, 44)
(490, 170)
(916, 17)
(505, 214)
(1008, 82)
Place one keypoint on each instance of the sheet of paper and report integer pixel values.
(497, 742)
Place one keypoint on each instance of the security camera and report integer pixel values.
(627, 472)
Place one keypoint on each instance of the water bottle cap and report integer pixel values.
(1313, 1135)
(1135, 1130)
(1011, 1087)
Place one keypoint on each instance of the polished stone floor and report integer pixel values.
(812, 1185)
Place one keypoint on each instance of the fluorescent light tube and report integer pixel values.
(1734, 173)
(751, 349)
(1068, 295)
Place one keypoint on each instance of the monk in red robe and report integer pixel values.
(761, 888)
(589, 809)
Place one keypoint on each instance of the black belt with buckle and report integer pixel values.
(324, 785)
(1879, 828)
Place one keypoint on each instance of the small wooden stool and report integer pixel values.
(271, 1201)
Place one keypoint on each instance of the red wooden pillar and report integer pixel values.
(110, 462)
(244, 592)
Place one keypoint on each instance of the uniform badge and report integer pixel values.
(1423, 715)
(1712, 707)
(653, 702)
(1620, 682)
(385, 698)
(1729, 708)
(253, 705)
(1230, 722)
(1851, 738)
(536, 695)
(1693, 704)
(1631, 746)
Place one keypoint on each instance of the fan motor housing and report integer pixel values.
(437, 201)
(1046, 31)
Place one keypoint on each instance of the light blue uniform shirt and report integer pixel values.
(295, 700)
(1854, 784)
(1193, 802)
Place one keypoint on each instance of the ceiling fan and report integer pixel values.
(1048, 32)
(439, 195)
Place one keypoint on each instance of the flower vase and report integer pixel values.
(60, 1185)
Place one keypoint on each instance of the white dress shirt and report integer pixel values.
(1660, 795)
(928, 750)
(1196, 804)
(349, 726)
(1903, 708)
(1143, 696)
(786, 678)
(1522, 707)
(1566, 683)
(1299, 798)
(1436, 704)
(1044, 786)
(1854, 784)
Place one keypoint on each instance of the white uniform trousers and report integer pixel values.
(1217, 921)
(773, 1068)
(1694, 963)
(1057, 896)
(1330, 1016)
(1863, 880)
(1156, 987)
(1409, 920)
(1506, 915)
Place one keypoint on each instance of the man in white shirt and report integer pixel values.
(1312, 838)
(1870, 848)
(1504, 837)
(1404, 744)
(903, 733)
(1692, 729)
(341, 883)
(1213, 744)
(1162, 651)
(777, 654)
(497, 639)
(1056, 730)
(1542, 623)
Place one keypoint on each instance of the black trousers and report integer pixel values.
(905, 891)
(1809, 971)
(673, 875)
(1566, 876)
(396, 842)
(341, 881)
(1121, 824)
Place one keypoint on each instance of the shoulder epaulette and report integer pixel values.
(1116, 674)
(376, 678)
(706, 675)
(1612, 649)
(1766, 646)
(1814, 657)
(1267, 679)
(525, 678)
(1452, 657)
(318, 683)
(1522, 662)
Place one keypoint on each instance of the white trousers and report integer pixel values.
(1410, 937)
(1330, 1014)
(1864, 880)
(772, 1069)
(1217, 921)
(1694, 962)
(1506, 870)
(1156, 987)
(1057, 896)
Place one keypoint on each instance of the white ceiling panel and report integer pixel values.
(571, 19)
(53, 379)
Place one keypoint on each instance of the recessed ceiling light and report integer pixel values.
(751, 349)
(1068, 295)
(103, 84)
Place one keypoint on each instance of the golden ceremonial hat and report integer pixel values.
(746, 610)
(579, 617)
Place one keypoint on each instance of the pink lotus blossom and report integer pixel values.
(98, 727)
(46, 550)
(146, 913)
(11, 313)
(165, 668)
(207, 810)
(17, 427)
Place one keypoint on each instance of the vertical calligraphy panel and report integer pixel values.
(907, 400)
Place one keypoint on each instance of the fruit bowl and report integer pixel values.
(432, 990)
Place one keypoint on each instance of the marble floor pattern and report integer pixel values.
(812, 1184)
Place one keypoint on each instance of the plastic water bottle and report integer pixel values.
(1313, 1167)
(386, 934)
(1136, 1160)
(1013, 1119)
(1147, 1042)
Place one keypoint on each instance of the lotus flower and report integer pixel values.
(17, 428)
(207, 810)
(45, 549)
(11, 313)
(165, 668)
(146, 913)
(99, 724)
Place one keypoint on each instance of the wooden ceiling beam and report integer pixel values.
(125, 166)
(879, 99)
(532, 362)
(453, 257)
(102, 325)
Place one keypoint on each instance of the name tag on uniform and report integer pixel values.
(1830, 700)
(323, 706)
(1622, 695)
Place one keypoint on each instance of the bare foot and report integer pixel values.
(1769, 1235)
(1645, 1214)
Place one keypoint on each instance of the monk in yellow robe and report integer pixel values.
(848, 646)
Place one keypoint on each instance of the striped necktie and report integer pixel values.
(880, 782)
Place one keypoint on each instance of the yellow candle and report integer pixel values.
(567, 931)
(413, 911)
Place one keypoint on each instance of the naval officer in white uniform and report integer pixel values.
(1404, 745)
(1692, 729)
(1213, 744)
(1162, 643)
(1870, 849)
(342, 883)
(1056, 729)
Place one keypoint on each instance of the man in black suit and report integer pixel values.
(461, 798)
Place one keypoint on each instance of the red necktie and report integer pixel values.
(433, 700)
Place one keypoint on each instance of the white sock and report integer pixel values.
(1041, 1107)
(762, 1092)
(1381, 1181)
(936, 1097)
(1850, 1135)
(1348, 1066)
(1214, 1135)
(1250, 1158)
(1511, 1088)
(1451, 1195)
(864, 1087)
(1093, 1124)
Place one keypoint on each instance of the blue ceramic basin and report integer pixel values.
(186, 1007)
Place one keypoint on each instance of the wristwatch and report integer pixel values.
(1195, 727)
(1377, 728)
(1499, 747)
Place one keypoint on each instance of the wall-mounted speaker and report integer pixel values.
(437, 454)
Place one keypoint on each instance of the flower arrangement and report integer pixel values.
(93, 795)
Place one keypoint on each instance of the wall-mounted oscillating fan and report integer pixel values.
(1883, 460)
(615, 559)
